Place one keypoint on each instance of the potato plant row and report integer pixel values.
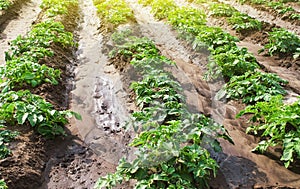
(240, 69)
(170, 139)
(170, 152)
(24, 70)
(280, 41)
(279, 6)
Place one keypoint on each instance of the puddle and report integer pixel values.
(98, 92)
(18, 26)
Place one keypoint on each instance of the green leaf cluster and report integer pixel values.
(283, 41)
(230, 61)
(278, 124)
(239, 21)
(22, 61)
(141, 52)
(20, 107)
(187, 20)
(3, 184)
(113, 12)
(221, 10)
(253, 87)
(4, 4)
(57, 7)
(5, 137)
(279, 6)
(162, 8)
(170, 141)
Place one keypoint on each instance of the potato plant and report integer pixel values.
(239, 21)
(57, 7)
(23, 107)
(283, 41)
(5, 137)
(23, 69)
(279, 6)
(278, 125)
(4, 4)
(3, 184)
(113, 12)
(253, 87)
(22, 60)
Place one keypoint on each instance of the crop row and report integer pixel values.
(113, 13)
(235, 64)
(279, 6)
(170, 152)
(280, 41)
(24, 71)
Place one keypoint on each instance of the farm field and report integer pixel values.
(149, 94)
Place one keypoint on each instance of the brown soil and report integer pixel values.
(100, 94)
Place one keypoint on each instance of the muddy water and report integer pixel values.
(18, 26)
(98, 92)
(239, 168)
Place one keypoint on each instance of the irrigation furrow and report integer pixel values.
(98, 94)
(18, 26)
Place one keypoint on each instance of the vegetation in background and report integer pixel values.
(113, 12)
(57, 7)
(279, 6)
(239, 21)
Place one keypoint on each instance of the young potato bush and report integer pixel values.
(253, 87)
(278, 125)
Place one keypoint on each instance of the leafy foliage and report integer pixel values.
(3, 184)
(233, 62)
(278, 125)
(161, 8)
(4, 4)
(253, 87)
(243, 22)
(57, 7)
(170, 139)
(239, 21)
(5, 137)
(22, 66)
(279, 6)
(283, 41)
(187, 20)
(23, 107)
(113, 12)
(221, 9)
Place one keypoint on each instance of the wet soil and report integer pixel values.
(100, 93)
